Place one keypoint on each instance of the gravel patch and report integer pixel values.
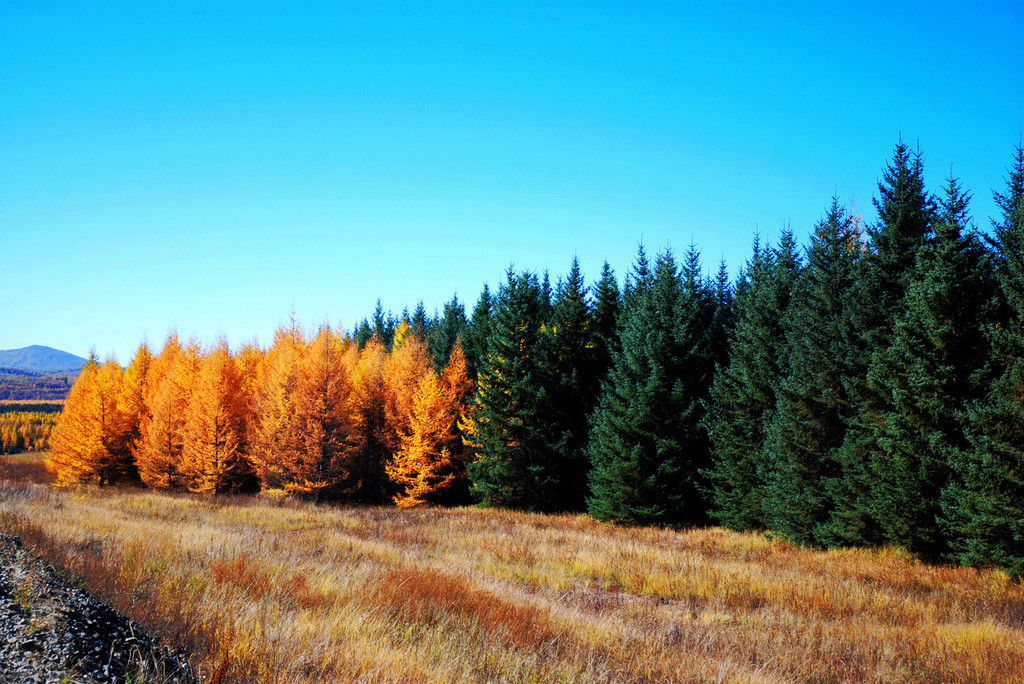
(51, 631)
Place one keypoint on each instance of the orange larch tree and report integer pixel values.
(407, 364)
(276, 440)
(159, 459)
(251, 361)
(132, 406)
(429, 466)
(87, 445)
(159, 367)
(324, 419)
(423, 463)
(456, 377)
(214, 450)
(367, 480)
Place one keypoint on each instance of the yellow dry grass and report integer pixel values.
(272, 590)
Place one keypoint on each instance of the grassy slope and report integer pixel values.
(281, 591)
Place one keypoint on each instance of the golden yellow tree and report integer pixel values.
(214, 450)
(456, 377)
(175, 372)
(132, 406)
(276, 441)
(159, 367)
(429, 465)
(87, 446)
(366, 479)
(404, 368)
(251, 360)
(324, 419)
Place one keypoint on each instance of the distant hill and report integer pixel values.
(41, 359)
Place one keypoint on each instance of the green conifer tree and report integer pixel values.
(477, 332)
(514, 465)
(445, 332)
(638, 280)
(809, 420)
(744, 391)
(384, 325)
(647, 446)
(547, 297)
(363, 333)
(906, 212)
(574, 388)
(934, 366)
(420, 323)
(723, 318)
(983, 505)
(606, 316)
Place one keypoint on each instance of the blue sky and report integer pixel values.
(212, 167)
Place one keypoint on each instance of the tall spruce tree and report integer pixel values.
(906, 212)
(809, 422)
(607, 312)
(420, 323)
(638, 280)
(384, 325)
(574, 389)
(445, 332)
(547, 297)
(514, 466)
(723, 318)
(983, 505)
(934, 366)
(744, 391)
(647, 446)
(363, 333)
(478, 331)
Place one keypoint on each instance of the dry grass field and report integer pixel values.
(280, 591)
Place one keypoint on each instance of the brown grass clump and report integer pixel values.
(26, 467)
(280, 591)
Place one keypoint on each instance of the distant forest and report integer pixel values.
(23, 385)
(866, 390)
(26, 426)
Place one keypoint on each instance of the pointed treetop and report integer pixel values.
(1012, 201)
(420, 321)
(639, 277)
(954, 207)
(691, 269)
(723, 288)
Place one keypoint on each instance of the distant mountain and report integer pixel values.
(41, 359)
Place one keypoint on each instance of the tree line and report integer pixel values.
(866, 390)
(313, 415)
